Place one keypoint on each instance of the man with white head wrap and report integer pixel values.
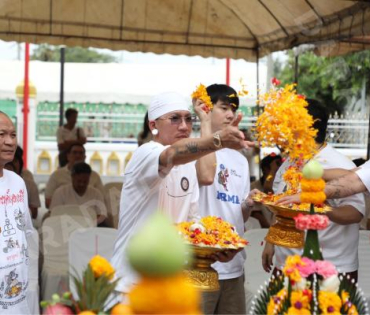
(159, 175)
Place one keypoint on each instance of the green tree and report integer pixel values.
(332, 80)
(46, 52)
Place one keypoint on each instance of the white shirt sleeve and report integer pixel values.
(364, 174)
(194, 207)
(27, 214)
(81, 132)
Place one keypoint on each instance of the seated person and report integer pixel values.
(80, 193)
(62, 176)
(269, 165)
(32, 191)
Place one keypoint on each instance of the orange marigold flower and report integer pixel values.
(312, 185)
(100, 266)
(169, 295)
(317, 198)
(201, 93)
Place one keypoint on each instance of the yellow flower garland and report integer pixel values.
(286, 123)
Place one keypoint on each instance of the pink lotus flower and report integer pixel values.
(325, 268)
(58, 309)
(307, 267)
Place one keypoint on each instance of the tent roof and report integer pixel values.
(245, 29)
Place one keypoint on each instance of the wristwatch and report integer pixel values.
(217, 141)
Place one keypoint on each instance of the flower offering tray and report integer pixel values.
(200, 273)
(284, 232)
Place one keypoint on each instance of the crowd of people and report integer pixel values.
(185, 178)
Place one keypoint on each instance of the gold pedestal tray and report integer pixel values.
(283, 232)
(201, 274)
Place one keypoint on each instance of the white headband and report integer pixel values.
(165, 103)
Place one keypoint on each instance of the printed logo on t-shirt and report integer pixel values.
(13, 287)
(227, 198)
(8, 229)
(10, 245)
(184, 184)
(19, 219)
(223, 175)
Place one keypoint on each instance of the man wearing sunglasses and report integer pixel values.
(160, 177)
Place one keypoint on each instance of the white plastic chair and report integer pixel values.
(55, 233)
(252, 223)
(74, 210)
(112, 197)
(364, 261)
(86, 243)
(255, 276)
(33, 272)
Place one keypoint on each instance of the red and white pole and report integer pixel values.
(26, 93)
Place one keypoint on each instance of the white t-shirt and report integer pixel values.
(62, 176)
(223, 199)
(15, 223)
(64, 134)
(339, 243)
(92, 198)
(145, 192)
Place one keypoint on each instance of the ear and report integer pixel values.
(152, 125)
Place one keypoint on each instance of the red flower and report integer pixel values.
(275, 81)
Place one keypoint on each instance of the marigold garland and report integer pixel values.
(313, 191)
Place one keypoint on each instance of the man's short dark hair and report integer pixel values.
(75, 145)
(224, 93)
(320, 116)
(81, 168)
(69, 112)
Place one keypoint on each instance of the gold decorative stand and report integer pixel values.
(201, 274)
(283, 232)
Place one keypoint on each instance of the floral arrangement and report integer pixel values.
(93, 290)
(310, 287)
(158, 254)
(309, 284)
(211, 231)
(286, 122)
